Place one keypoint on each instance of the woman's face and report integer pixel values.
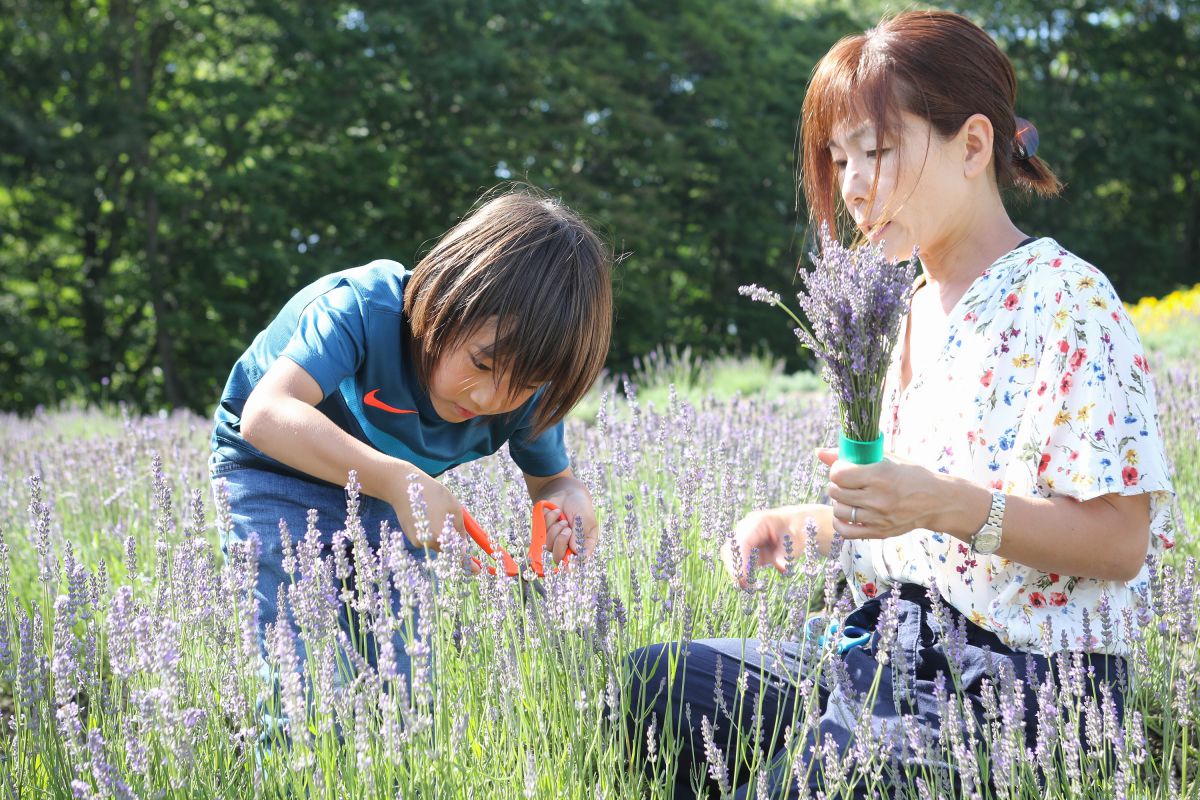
(921, 187)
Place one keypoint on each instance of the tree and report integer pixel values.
(171, 172)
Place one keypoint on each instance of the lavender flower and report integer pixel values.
(416, 499)
(65, 661)
(760, 295)
(282, 644)
(103, 773)
(39, 513)
(854, 301)
(718, 770)
(31, 677)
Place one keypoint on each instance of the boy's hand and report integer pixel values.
(439, 504)
(560, 533)
(574, 500)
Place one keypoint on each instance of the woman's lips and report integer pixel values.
(462, 412)
(875, 232)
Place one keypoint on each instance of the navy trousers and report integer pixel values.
(748, 693)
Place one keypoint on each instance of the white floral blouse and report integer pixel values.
(1042, 390)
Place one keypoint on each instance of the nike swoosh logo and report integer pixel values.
(370, 399)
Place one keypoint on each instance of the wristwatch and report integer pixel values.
(987, 539)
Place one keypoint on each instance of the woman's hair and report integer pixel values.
(937, 65)
(530, 264)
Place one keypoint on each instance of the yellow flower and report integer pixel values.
(977, 618)
(1086, 282)
(1097, 302)
(1023, 360)
(1131, 456)
(1062, 418)
(1152, 315)
(1085, 412)
(1060, 318)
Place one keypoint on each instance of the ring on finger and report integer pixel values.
(853, 515)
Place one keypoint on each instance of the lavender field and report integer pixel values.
(129, 666)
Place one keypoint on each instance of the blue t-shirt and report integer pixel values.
(346, 330)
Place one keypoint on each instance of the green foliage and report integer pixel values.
(1112, 88)
(171, 172)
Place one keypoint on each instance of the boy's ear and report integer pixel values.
(977, 137)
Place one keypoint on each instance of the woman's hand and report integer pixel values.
(881, 500)
(1104, 537)
(775, 536)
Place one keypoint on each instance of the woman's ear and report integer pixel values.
(977, 136)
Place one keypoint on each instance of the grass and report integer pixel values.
(668, 372)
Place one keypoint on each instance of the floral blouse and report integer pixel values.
(1042, 389)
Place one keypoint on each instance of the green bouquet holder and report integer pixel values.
(857, 452)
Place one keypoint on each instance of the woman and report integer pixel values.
(1026, 481)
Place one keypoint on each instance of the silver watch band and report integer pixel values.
(987, 539)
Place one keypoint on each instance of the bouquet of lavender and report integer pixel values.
(854, 300)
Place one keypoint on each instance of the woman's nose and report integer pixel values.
(854, 187)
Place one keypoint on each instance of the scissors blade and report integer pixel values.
(532, 587)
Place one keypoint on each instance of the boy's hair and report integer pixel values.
(528, 262)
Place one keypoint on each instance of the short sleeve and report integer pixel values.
(1093, 413)
(329, 339)
(541, 456)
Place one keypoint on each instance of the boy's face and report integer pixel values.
(463, 384)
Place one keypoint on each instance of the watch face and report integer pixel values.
(986, 542)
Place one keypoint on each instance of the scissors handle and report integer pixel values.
(476, 532)
(848, 638)
(852, 637)
(537, 542)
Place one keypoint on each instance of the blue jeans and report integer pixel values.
(679, 701)
(259, 499)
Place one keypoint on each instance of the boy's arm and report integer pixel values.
(280, 419)
(571, 495)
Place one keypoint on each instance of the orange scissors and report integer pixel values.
(537, 544)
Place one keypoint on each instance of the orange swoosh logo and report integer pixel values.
(370, 399)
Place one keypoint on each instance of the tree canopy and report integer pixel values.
(172, 170)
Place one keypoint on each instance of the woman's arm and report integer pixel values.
(281, 420)
(1106, 537)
